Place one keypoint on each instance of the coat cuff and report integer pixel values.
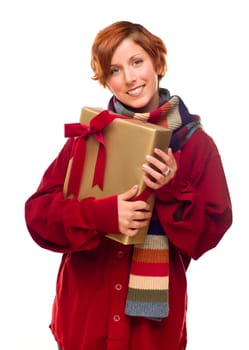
(105, 214)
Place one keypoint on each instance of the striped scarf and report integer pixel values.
(148, 288)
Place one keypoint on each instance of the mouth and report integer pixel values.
(136, 91)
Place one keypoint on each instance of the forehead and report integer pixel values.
(126, 50)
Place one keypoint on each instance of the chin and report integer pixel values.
(140, 106)
(138, 109)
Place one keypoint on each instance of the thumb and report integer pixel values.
(128, 195)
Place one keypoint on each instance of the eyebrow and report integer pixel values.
(130, 59)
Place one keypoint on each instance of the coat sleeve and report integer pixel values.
(67, 224)
(195, 207)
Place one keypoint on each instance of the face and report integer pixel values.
(133, 79)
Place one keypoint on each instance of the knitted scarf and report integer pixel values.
(148, 288)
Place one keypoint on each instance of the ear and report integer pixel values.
(161, 71)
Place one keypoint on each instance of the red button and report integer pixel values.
(120, 253)
(118, 286)
(116, 318)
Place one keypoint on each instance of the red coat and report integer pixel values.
(88, 312)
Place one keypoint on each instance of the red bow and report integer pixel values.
(82, 131)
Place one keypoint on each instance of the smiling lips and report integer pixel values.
(135, 92)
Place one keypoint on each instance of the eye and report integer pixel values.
(114, 70)
(138, 62)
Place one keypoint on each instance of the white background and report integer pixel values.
(45, 80)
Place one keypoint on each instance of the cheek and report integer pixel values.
(150, 74)
(114, 84)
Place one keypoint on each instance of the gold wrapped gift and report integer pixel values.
(127, 141)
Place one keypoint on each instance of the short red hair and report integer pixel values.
(109, 38)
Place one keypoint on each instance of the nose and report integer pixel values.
(129, 75)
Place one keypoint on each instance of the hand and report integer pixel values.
(132, 215)
(159, 171)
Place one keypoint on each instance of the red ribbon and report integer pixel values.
(82, 131)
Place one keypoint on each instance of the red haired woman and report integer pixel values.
(105, 298)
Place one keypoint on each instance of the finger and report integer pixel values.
(156, 175)
(128, 195)
(169, 161)
(165, 156)
(139, 206)
(138, 224)
(142, 215)
(156, 163)
(152, 184)
(133, 227)
(131, 232)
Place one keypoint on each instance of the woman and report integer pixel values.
(97, 303)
